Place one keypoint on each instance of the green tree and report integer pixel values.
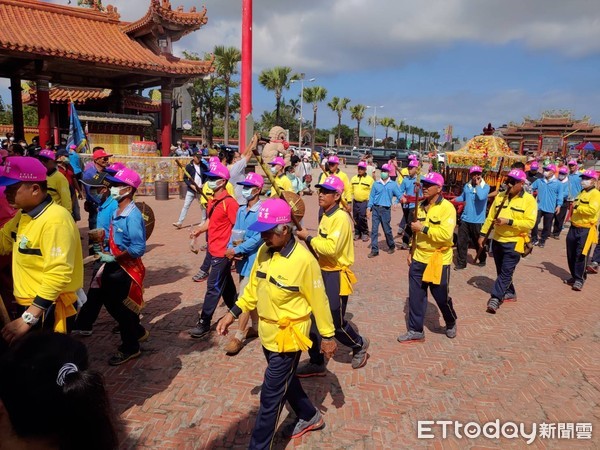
(387, 123)
(226, 66)
(277, 79)
(339, 105)
(357, 112)
(314, 95)
(5, 113)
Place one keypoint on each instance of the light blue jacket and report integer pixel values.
(407, 187)
(382, 194)
(549, 194)
(252, 240)
(574, 187)
(475, 199)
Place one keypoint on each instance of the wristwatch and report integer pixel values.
(29, 318)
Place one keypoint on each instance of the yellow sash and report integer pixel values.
(592, 237)
(522, 239)
(63, 308)
(289, 339)
(433, 271)
(347, 279)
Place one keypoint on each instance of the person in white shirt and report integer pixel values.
(194, 171)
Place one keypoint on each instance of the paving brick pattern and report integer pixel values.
(537, 360)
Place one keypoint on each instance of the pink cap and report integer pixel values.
(126, 176)
(271, 213)
(550, 167)
(433, 178)
(362, 164)
(48, 154)
(590, 173)
(21, 168)
(115, 167)
(517, 174)
(279, 161)
(217, 170)
(534, 165)
(332, 183)
(73, 147)
(413, 163)
(213, 159)
(572, 163)
(253, 180)
(475, 169)
(385, 168)
(333, 160)
(563, 170)
(413, 156)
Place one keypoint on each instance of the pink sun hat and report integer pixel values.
(475, 169)
(385, 168)
(550, 167)
(433, 178)
(21, 168)
(332, 183)
(534, 165)
(279, 161)
(412, 156)
(217, 170)
(333, 160)
(517, 174)
(572, 163)
(590, 173)
(49, 154)
(272, 212)
(362, 164)
(253, 180)
(126, 176)
(114, 168)
(564, 170)
(413, 163)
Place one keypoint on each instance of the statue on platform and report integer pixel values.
(277, 145)
(94, 4)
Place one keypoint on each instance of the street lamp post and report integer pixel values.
(301, 80)
(374, 120)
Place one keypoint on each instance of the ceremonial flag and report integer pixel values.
(76, 134)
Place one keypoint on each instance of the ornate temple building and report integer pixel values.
(553, 132)
(93, 58)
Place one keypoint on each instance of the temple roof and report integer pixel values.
(65, 35)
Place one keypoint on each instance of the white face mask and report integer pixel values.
(548, 174)
(587, 183)
(562, 176)
(115, 192)
(274, 170)
(247, 193)
(213, 184)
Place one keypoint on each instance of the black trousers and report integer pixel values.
(88, 314)
(468, 233)
(577, 261)
(114, 289)
(506, 259)
(279, 385)
(417, 297)
(407, 217)
(559, 219)
(546, 218)
(359, 211)
(219, 284)
(344, 333)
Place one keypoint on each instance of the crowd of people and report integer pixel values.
(293, 296)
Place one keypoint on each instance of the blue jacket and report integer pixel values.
(475, 199)
(407, 187)
(252, 240)
(382, 194)
(106, 211)
(574, 187)
(129, 231)
(549, 194)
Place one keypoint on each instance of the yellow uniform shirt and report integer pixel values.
(521, 210)
(210, 193)
(334, 244)
(361, 187)
(58, 188)
(347, 195)
(285, 287)
(46, 253)
(438, 232)
(586, 209)
(283, 183)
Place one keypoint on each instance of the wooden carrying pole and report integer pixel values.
(489, 231)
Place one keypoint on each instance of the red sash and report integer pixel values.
(136, 271)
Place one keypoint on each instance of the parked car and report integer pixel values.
(383, 155)
(303, 152)
(352, 156)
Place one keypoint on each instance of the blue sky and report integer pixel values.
(459, 62)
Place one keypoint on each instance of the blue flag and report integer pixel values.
(76, 134)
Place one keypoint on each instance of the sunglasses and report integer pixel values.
(326, 191)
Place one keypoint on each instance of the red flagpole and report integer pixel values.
(246, 77)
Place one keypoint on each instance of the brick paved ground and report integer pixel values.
(537, 360)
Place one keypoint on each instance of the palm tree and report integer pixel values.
(277, 79)
(399, 127)
(226, 65)
(339, 105)
(294, 106)
(314, 95)
(387, 123)
(357, 112)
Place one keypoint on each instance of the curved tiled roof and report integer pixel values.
(60, 94)
(162, 9)
(44, 29)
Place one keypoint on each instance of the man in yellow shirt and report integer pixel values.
(46, 249)
(510, 235)
(283, 182)
(361, 189)
(584, 228)
(433, 230)
(333, 162)
(58, 185)
(285, 287)
(335, 249)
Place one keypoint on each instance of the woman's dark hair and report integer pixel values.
(73, 410)
(17, 149)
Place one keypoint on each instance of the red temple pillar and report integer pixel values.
(43, 101)
(246, 76)
(17, 108)
(165, 119)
